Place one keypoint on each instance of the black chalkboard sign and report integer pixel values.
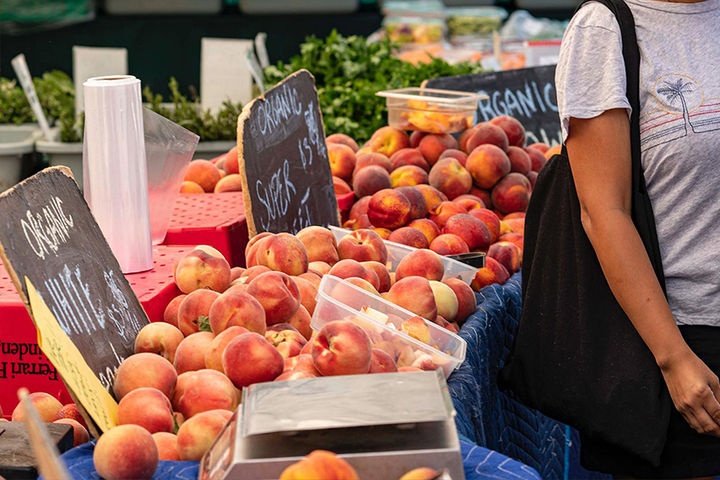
(287, 182)
(49, 235)
(527, 94)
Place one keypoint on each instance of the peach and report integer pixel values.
(512, 193)
(541, 146)
(464, 136)
(342, 139)
(213, 357)
(445, 299)
(342, 160)
(46, 405)
(427, 227)
(425, 362)
(362, 246)
(341, 348)
(517, 225)
(469, 202)
(433, 145)
(486, 134)
(200, 269)
(382, 273)
(552, 151)
(351, 268)
(249, 358)
(514, 215)
(492, 272)
(418, 207)
(372, 159)
(389, 208)
(362, 222)
(381, 362)
(126, 451)
(179, 417)
(408, 156)
(370, 180)
(508, 254)
(159, 337)
(320, 268)
(293, 375)
(483, 195)
(383, 232)
(69, 410)
(319, 243)
(532, 176)
(283, 252)
(465, 298)
(450, 178)
(504, 226)
(519, 160)
(364, 284)
(491, 221)
(487, 164)
(166, 444)
(235, 273)
(278, 294)
(229, 183)
(388, 140)
(145, 370)
(443, 211)
(414, 294)
(251, 243)
(313, 277)
(415, 138)
(231, 163)
(341, 187)
(458, 155)
(416, 328)
(197, 434)
(204, 173)
(190, 187)
(422, 473)
(190, 354)
(537, 159)
(206, 390)
(359, 208)
(421, 263)
(320, 464)
(171, 310)
(237, 307)
(515, 238)
(80, 433)
(408, 176)
(513, 129)
(287, 342)
(432, 195)
(473, 231)
(147, 407)
(409, 236)
(249, 274)
(194, 310)
(308, 292)
(449, 244)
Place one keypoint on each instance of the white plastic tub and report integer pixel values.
(397, 251)
(382, 320)
(15, 141)
(67, 154)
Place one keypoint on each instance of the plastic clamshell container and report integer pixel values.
(430, 110)
(15, 141)
(398, 251)
(463, 21)
(340, 300)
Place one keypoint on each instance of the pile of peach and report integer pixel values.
(51, 410)
(213, 176)
(233, 327)
(451, 196)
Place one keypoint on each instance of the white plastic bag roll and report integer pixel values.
(114, 169)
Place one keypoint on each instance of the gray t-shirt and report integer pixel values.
(679, 129)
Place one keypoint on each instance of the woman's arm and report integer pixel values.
(599, 151)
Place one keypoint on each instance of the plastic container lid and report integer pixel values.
(382, 320)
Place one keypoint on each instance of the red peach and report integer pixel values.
(445, 299)
(171, 310)
(341, 348)
(204, 173)
(166, 444)
(449, 244)
(389, 208)
(342, 139)
(362, 246)
(320, 464)
(487, 164)
(381, 362)
(370, 180)
(190, 188)
(492, 272)
(465, 297)
(427, 227)
(542, 147)
(382, 273)
(458, 155)
(418, 207)
(414, 294)
(552, 151)
(340, 186)
(314, 277)
(442, 212)
(287, 342)
(278, 294)
(532, 176)
(432, 195)
(372, 159)
(388, 140)
(473, 231)
(483, 195)
(235, 273)
(415, 138)
(319, 268)
(469, 202)
(197, 434)
(450, 178)
(46, 405)
(362, 222)
(231, 163)
(229, 183)
(515, 238)
(213, 357)
(145, 370)
(491, 221)
(364, 284)
(125, 451)
(408, 156)
(508, 254)
(293, 375)
(513, 129)
(352, 268)
(80, 433)
(69, 410)
(194, 310)
(464, 136)
(249, 358)
(308, 292)
(383, 232)
(519, 160)
(433, 145)
(517, 225)
(486, 134)
(359, 208)
(512, 193)
(251, 243)
(408, 176)
(283, 253)
(147, 407)
(190, 354)
(409, 236)
(421, 263)
(159, 337)
(200, 269)
(237, 307)
(304, 361)
(342, 160)
(249, 274)
(205, 390)
(319, 243)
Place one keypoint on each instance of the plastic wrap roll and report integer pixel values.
(114, 169)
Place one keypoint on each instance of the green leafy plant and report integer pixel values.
(14, 107)
(349, 70)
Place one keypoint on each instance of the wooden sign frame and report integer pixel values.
(245, 127)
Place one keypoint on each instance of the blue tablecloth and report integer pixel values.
(489, 417)
(480, 464)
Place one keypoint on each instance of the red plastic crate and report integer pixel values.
(215, 219)
(18, 337)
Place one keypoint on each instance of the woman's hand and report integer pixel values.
(695, 391)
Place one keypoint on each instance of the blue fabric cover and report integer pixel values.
(491, 418)
(480, 464)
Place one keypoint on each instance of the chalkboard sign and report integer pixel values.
(527, 94)
(48, 235)
(287, 182)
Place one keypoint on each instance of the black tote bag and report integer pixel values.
(577, 356)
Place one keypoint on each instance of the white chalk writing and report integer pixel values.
(278, 108)
(45, 231)
(521, 102)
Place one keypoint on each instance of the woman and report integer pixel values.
(680, 142)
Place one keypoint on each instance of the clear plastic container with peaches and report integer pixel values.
(398, 251)
(410, 340)
(430, 110)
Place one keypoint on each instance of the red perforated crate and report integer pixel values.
(22, 363)
(215, 219)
